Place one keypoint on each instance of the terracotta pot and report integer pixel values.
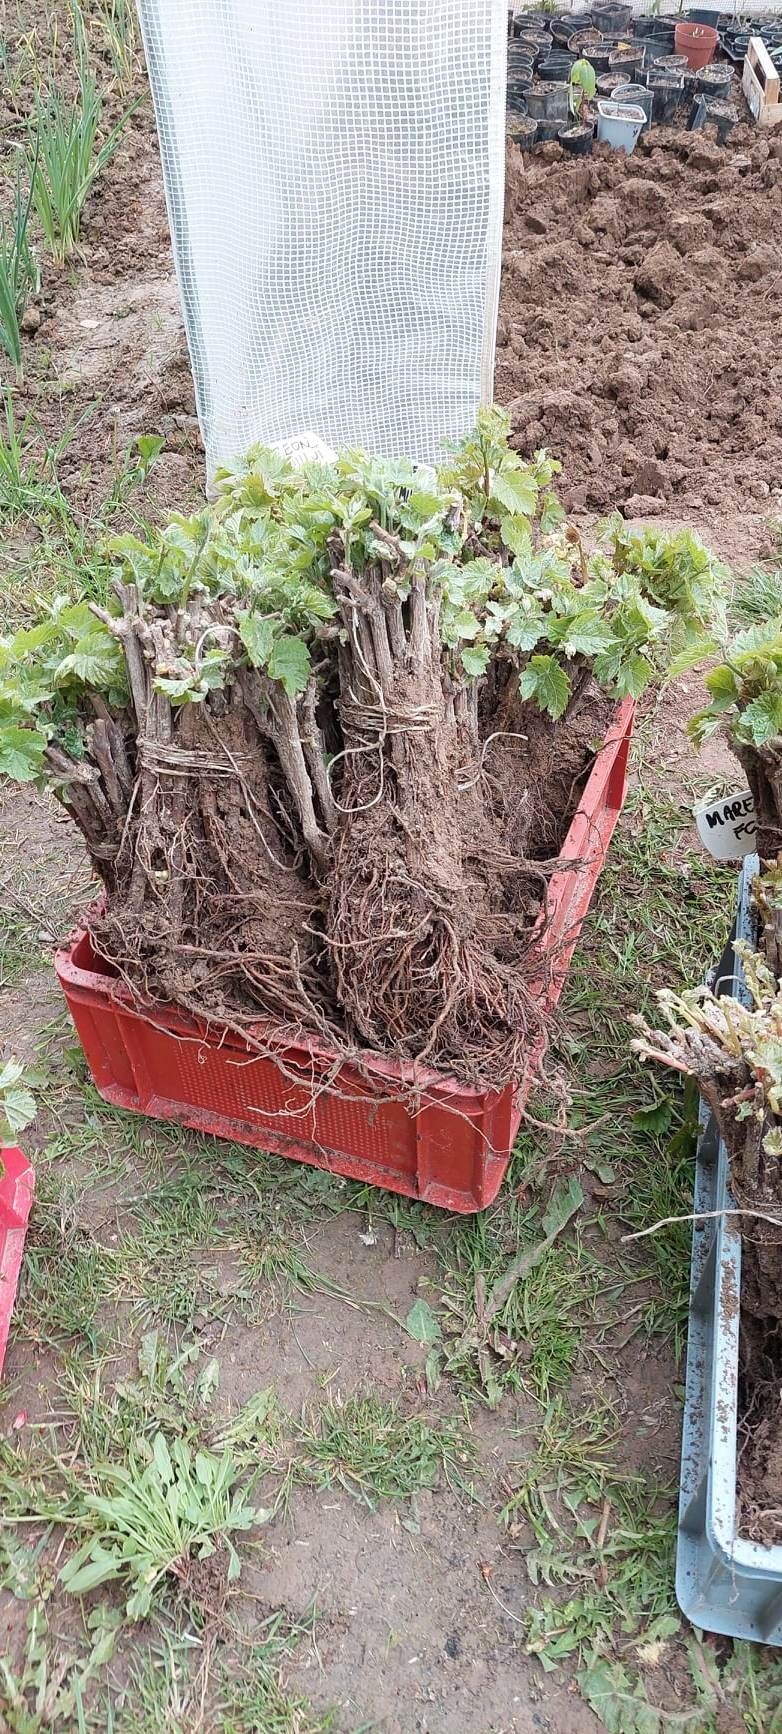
(698, 42)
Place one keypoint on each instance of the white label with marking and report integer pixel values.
(727, 827)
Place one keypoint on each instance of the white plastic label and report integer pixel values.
(305, 448)
(727, 827)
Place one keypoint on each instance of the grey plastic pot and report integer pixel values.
(723, 1582)
(619, 124)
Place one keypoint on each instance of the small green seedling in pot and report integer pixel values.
(582, 90)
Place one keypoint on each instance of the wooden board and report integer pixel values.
(761, 84)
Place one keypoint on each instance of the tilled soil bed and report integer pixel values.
(640, 318)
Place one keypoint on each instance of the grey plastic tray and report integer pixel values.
(723, 1582)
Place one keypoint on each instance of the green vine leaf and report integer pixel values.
(290, 663)
(547, 683)
(21, 753)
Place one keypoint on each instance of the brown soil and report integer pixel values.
(759, 1470)
(755, 1185)
(109, 359)
(639, 320)
(539, 777)
(755, 1182)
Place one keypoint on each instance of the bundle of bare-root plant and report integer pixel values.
(302, 740)
(734, 1050)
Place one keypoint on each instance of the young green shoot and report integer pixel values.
(66, 159)
(19, 273)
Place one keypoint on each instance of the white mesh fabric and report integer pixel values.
(334, 178)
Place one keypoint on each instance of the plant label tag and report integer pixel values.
(305, 448)
(727, 827)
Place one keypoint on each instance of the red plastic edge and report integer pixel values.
(17, 1187)
(452, 1151)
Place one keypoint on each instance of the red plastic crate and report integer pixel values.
(17, 1185)
(453, 1150)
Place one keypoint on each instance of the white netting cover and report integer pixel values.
(334, 177)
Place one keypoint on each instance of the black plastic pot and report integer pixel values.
(612, 17)
(657, 75)
(548, 130)
(722, 115)
(600, 58)
(656, 48)
(606, 84)
(625, 62)
(577, 140)
(523, 132)
(668, 99)
(554, 71)
(563, 28)
(714, 81)
(678, 64)
(583, 42)
(737, 43)
(650, 27)
(549, 102)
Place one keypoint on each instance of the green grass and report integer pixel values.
(251, 1695)
(758, 596)
(602, 1537)
(143, 1233)
(53, 549)
(29, 485)
(20, 951)
(367, 1447)
(678, 923)
(739, 1689)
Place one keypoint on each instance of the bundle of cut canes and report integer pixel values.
(294, 737)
